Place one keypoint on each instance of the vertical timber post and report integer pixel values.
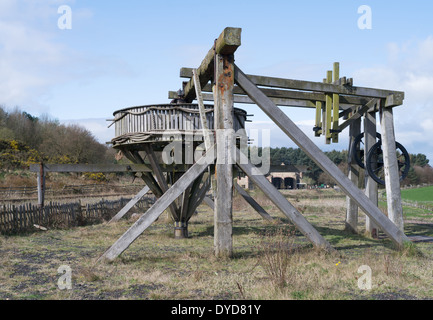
(223, 117)
(353, 175)
(41, 186)
(392, 179)
(370, 184)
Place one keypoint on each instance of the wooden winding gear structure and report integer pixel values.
(148, 136)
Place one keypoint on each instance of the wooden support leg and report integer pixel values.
(370, 185)
(209, 202)
(281, 202)
(154, 212)
(353, 175)
(253, 203)
(41, 186)
(223, 117)
(392, 179)
(161, 179)
(308, 146)
(130, 204)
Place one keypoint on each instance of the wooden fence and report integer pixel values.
(23, 218)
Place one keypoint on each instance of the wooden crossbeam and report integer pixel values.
(227, 43)
(155, 211)
(105, 168)
(303, 142)
(281, 202)
(244, 99)
(287, 97)
(317, 87)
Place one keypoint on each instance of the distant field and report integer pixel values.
(424, 194)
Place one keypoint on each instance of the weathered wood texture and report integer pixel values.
(227, 43)
(204, 123)
(390, 166)
(370, 133)
(223, 93)
(157, 171)
(130, 204)
(299, 137)
(353, 175)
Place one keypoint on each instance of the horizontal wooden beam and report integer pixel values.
(105, 168)
(227, 43)
(318, 87)
(243, 99)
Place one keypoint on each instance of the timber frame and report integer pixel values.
(218, 79)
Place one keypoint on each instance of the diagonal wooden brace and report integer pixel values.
(281, 202)
(130, 204)
(317, 155)
(156, 210)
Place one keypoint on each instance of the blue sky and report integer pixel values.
(126, 53)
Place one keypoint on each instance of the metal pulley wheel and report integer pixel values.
(375, 163)
(358, 149)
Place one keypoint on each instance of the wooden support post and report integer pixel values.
(130, 204)
(353, 175)
(253, 203)
(370, 185)
(41, 185)
(328, 111)
(226, 44)
(281, 202)
(223, 117)
(335, 105)
(303, 142)
(392, 179)
(155, 211)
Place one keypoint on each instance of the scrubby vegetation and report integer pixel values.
(25, 139)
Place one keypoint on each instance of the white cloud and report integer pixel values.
(410, 69)
(35, 57)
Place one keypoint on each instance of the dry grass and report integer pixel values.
(271, 260)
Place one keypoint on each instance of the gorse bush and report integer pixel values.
(25, 139)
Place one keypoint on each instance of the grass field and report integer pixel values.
(422, 195)
(271, 260)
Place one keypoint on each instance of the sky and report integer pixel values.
(118, 54)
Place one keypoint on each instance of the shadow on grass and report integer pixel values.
(419, 229)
